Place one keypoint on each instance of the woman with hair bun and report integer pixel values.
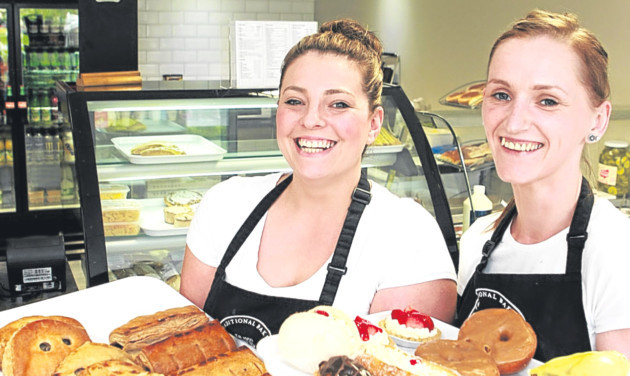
(556, 254)
(324, 234)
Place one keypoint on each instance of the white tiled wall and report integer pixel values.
(191, 37)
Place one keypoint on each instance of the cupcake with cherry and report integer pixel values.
(410, 325)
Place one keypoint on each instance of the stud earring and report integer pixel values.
(592, 138)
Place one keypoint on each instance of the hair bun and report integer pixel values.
(353, 30)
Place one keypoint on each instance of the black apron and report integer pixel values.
(551, 303)
(251, 316)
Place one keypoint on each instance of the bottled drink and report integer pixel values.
(480, 203)
(68, 147)
(51, 154)
(29, 145)
(2, 154)
(38, 147)
(22, 106)
(68, 191)
(46, 113)
(9, 104)
(614, 168)
(54, 107)
(8, 149)
(35, 108)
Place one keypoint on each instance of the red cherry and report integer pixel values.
(323, 313)
(366, 328)
(414, 361)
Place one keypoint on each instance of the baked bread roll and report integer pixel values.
(9, 329)
(39, 347)
(87, 354)
(241, 362)
(504, 335)
(461, 356)
(115, 367)
(185, 349)
(145, 330)
(183, 220)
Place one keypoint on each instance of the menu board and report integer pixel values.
(258, 49)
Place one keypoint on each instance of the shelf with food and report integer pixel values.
(468, 96)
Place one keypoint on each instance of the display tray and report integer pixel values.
(152, 219)
(102, 308)
(267, 349)
(197, 149)
(152, 127)
(457, 97)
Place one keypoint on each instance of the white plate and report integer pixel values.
(267, 349)
(152, 220)
(197, 149)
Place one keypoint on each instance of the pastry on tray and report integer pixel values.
(411, 325)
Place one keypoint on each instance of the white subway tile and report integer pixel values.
(279, 6)
(196, 43)
(185, 4)
(148, 44)
(244, 16)
(209, 56)
(196, 18)
(256, 6)
(146, 18)
(171, 44)
(158, 57)
(209, 30)
(233, 5)
(220, 18)
(142, 31)
(156, 31)
(171, 69)
(149, 69)
(303, 6)
(159, 4)
(183, 56)
(213, 5)
(185, 30)
(196, 69)
(142, 57)
(171, 18)
(291, 17)
(267, 16)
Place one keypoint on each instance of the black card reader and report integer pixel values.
(36, 264)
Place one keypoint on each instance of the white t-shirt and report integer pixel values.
(605, 263)
(397, 243)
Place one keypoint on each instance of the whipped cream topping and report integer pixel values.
(314, 146)
(520, 146)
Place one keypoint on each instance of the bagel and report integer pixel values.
(461, 356)
(504, 335)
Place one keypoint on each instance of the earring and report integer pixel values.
(592, 138)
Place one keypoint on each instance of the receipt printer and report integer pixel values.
(36, 264)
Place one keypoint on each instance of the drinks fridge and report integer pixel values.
(39, 46)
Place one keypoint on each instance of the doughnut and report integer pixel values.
(461, 356)
(504, 335)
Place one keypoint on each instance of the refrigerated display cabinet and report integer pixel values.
(38, 44)
(224, 132)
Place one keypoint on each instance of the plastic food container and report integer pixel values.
(121, 229)
(117, 211)
(113, 191)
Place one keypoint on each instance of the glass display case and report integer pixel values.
(138, 152)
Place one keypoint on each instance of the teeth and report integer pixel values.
(314, 146)
(520, 146)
